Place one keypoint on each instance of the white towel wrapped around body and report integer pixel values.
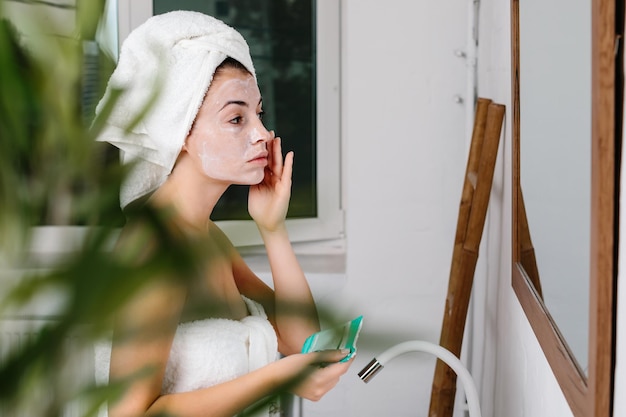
(210, 351)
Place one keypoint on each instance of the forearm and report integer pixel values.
(230, 398)
(296, 315)
(226, 399)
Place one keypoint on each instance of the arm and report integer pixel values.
(144, 331)
(141, 349)
(294, 308)
(300, 374)
(142, 340)
(295, 312)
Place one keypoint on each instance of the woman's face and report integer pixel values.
(228, 140)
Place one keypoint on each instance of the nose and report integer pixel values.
(260, 134)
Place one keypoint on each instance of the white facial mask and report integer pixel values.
(228, 137)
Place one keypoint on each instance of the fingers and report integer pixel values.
(331, 356)
(328, 376)
(275, 155)
(277, 167)
(288, 167)
(321, 373)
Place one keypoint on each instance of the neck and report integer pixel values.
(190, 195)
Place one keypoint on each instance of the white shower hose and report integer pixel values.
(445, 355)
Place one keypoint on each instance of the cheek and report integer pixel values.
(219, 156)
(208, 158)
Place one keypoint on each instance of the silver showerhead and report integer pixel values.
(370, 370)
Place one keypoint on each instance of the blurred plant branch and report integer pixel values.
(53, 172)
(45, 3)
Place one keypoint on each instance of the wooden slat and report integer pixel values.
(470, 225)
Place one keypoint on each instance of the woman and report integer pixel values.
(204, 132)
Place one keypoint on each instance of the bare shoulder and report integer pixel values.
(220, 238)
(154, 280)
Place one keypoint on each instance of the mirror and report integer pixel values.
(564, 133)
(555, 163)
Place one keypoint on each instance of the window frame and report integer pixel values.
(329, 223)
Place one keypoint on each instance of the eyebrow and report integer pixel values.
(239, 103)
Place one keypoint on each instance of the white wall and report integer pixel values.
(403, 152)
(404, 158)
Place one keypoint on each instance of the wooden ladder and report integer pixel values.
(470, 224)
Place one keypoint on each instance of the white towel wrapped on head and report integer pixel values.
(177, 54)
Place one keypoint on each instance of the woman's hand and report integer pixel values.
(268, 201)
(316, 373)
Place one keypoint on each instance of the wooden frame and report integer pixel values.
(591, 395)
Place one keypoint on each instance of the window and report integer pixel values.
(295, 48)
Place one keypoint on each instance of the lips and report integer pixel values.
(262, 157)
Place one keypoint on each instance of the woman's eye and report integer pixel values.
(236, 120)
(261, 114)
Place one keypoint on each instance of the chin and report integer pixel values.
(252, 181)
(258, 179)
